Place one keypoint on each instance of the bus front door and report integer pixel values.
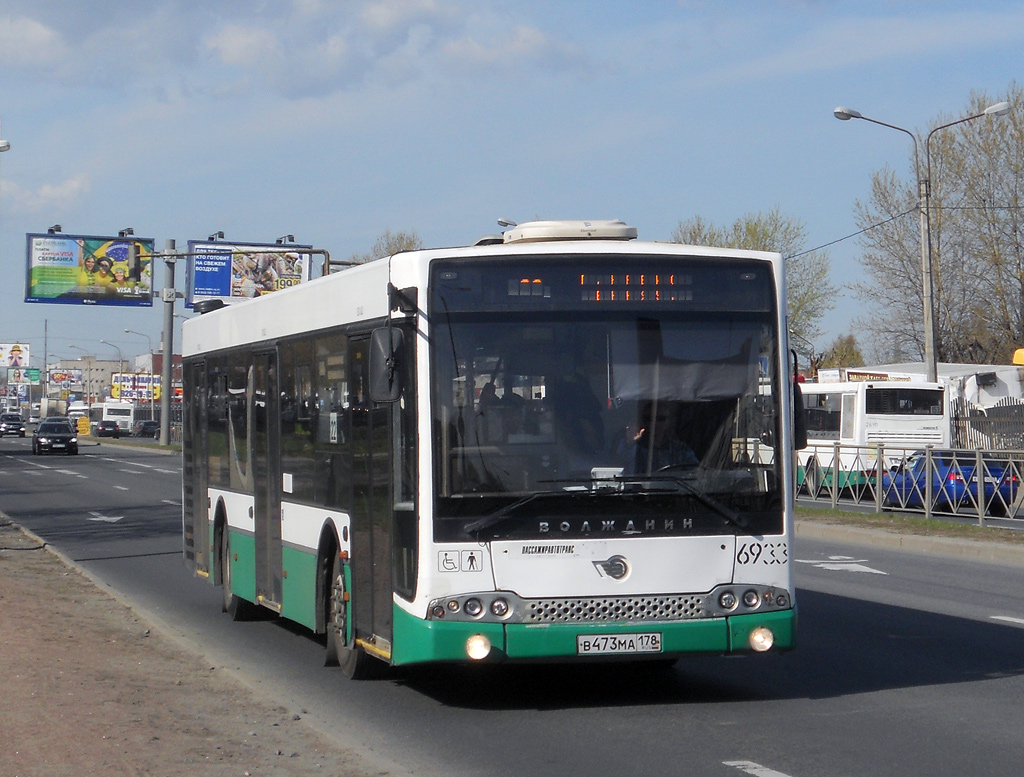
(371, 509)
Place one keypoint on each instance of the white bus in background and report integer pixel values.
(848, 422)
(123, 413)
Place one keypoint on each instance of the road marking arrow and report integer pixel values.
(842, 563)
(105, 518)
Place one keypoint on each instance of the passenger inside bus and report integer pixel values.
(654, 442)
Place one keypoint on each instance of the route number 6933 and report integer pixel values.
(767, 553)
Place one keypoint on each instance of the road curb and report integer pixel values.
(992, 552)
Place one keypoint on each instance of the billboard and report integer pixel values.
(135, 386)
(22, 376)
(65, 378)
(88, 270)
(234, 272)
(14, 354)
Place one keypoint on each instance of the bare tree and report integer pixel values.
(810, 293)
(977, 177)
(390, 243)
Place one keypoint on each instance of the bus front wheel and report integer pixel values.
(354, 662)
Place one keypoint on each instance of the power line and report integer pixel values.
(855, 234)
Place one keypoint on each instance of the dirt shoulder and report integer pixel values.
(90, 689)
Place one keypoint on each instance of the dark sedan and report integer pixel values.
(108, 429)
(55, 436)
(147, 429)
(11, 423)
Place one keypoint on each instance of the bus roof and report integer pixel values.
(319, 303)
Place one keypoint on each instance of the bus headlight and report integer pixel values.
(473, 607)
(761, 639)
(727, 600)
(751, 599)
(478, 647)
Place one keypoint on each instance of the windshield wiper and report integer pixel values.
(500, 515)
(730, 515)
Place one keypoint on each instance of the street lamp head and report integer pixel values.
(5, 145)
(999, 109)
(845, 114)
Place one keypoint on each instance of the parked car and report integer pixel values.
(11, 424)
(954, 483)
(55, 435)
(108, 429)
(146, 429)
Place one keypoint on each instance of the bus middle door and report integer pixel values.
(266, 443)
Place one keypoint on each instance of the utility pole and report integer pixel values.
(167, 294)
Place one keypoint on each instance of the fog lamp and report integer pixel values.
(761, 639)
(478, 647)
(500, 607)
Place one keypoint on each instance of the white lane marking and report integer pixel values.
(171, 502)
(121, 488)
(842, 564)
(754, 768)
(1008, 619)
(105, 518)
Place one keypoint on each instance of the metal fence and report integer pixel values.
(978, 484)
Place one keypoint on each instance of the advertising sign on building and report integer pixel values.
(234, 272)
(66, 378)
(88, 270)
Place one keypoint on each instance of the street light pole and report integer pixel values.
(149, 340)
(120, 365)
(924, 195)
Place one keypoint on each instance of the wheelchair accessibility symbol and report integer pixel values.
(459, 561)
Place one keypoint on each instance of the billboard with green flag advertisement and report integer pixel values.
(89, 270)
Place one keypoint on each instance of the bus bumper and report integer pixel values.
(417, 640)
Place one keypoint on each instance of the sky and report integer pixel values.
(334, 120)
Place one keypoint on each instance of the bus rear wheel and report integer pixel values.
(239, 609)
(354, 662)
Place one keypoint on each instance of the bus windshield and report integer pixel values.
(640, 421)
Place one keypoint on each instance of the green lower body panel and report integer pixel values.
(417, 640)
(298, 586)
(243, 566)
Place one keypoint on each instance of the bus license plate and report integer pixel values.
(617, 644)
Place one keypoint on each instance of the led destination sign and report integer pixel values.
(567, 283)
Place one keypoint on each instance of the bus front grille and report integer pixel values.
(627, 608)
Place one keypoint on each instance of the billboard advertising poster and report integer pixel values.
(22, 376)
(14, 354)
(88, 270)
(234, 272)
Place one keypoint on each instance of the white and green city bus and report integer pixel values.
(438, 456)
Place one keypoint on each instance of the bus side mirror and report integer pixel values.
(799, 418)
(385, 357)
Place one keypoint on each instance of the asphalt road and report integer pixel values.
(906, 664)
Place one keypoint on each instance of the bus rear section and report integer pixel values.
(583, 453)
(122, 413)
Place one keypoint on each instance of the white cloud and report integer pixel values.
(851, 41)
(26, 42)
(522, 46)
(388, 14)
(243, 45)
(48, 197)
